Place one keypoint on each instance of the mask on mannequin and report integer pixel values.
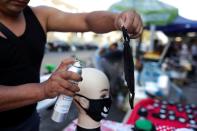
(98, 108)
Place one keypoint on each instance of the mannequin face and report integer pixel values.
(93, 97)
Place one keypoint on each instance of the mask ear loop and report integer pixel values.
(129, 67)
(81, 96)
(79, 102)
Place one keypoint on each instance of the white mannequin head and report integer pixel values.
(95, 88)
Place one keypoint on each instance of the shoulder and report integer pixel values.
(42, 12)
(45, 11)
(46, 14)
(42, 9)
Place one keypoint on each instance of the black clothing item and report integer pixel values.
(98, 108)
(31, 124)
(83, 129)
(21, 59)
(128, 67)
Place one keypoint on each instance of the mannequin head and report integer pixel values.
(93, 100)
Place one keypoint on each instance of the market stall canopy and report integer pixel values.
(153, 12)
(180, 25)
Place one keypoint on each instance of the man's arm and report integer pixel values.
(81, 22)
(58, 83)
(18, 96)
(97, 21)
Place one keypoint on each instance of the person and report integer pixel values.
(22, 41)
(109, 59)
(194, 50)
(98, 58)
(112, 63)
(184, 53)
(194, 57)
(113, 53)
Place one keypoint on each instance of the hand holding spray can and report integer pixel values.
(64, 102)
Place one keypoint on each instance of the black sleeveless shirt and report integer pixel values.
(20, 61)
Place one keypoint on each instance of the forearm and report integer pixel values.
(97, 21)
(12, 97)
(18, 96)
(101, 21)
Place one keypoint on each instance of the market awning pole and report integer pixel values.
(152, 37)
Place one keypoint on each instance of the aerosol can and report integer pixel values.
(64, 102)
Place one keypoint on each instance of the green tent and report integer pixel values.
(153, 12)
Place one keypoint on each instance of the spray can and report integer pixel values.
(64, 102)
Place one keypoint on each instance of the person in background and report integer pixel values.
(184, 52)
(194, 50)
(109, 59)
(98, 58)
(22, 40)
(194, 57)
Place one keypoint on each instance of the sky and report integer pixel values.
(187, 8)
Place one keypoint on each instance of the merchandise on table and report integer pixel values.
(166, 114)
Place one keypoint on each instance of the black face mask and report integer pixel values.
(129, 67)
(98, 109)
